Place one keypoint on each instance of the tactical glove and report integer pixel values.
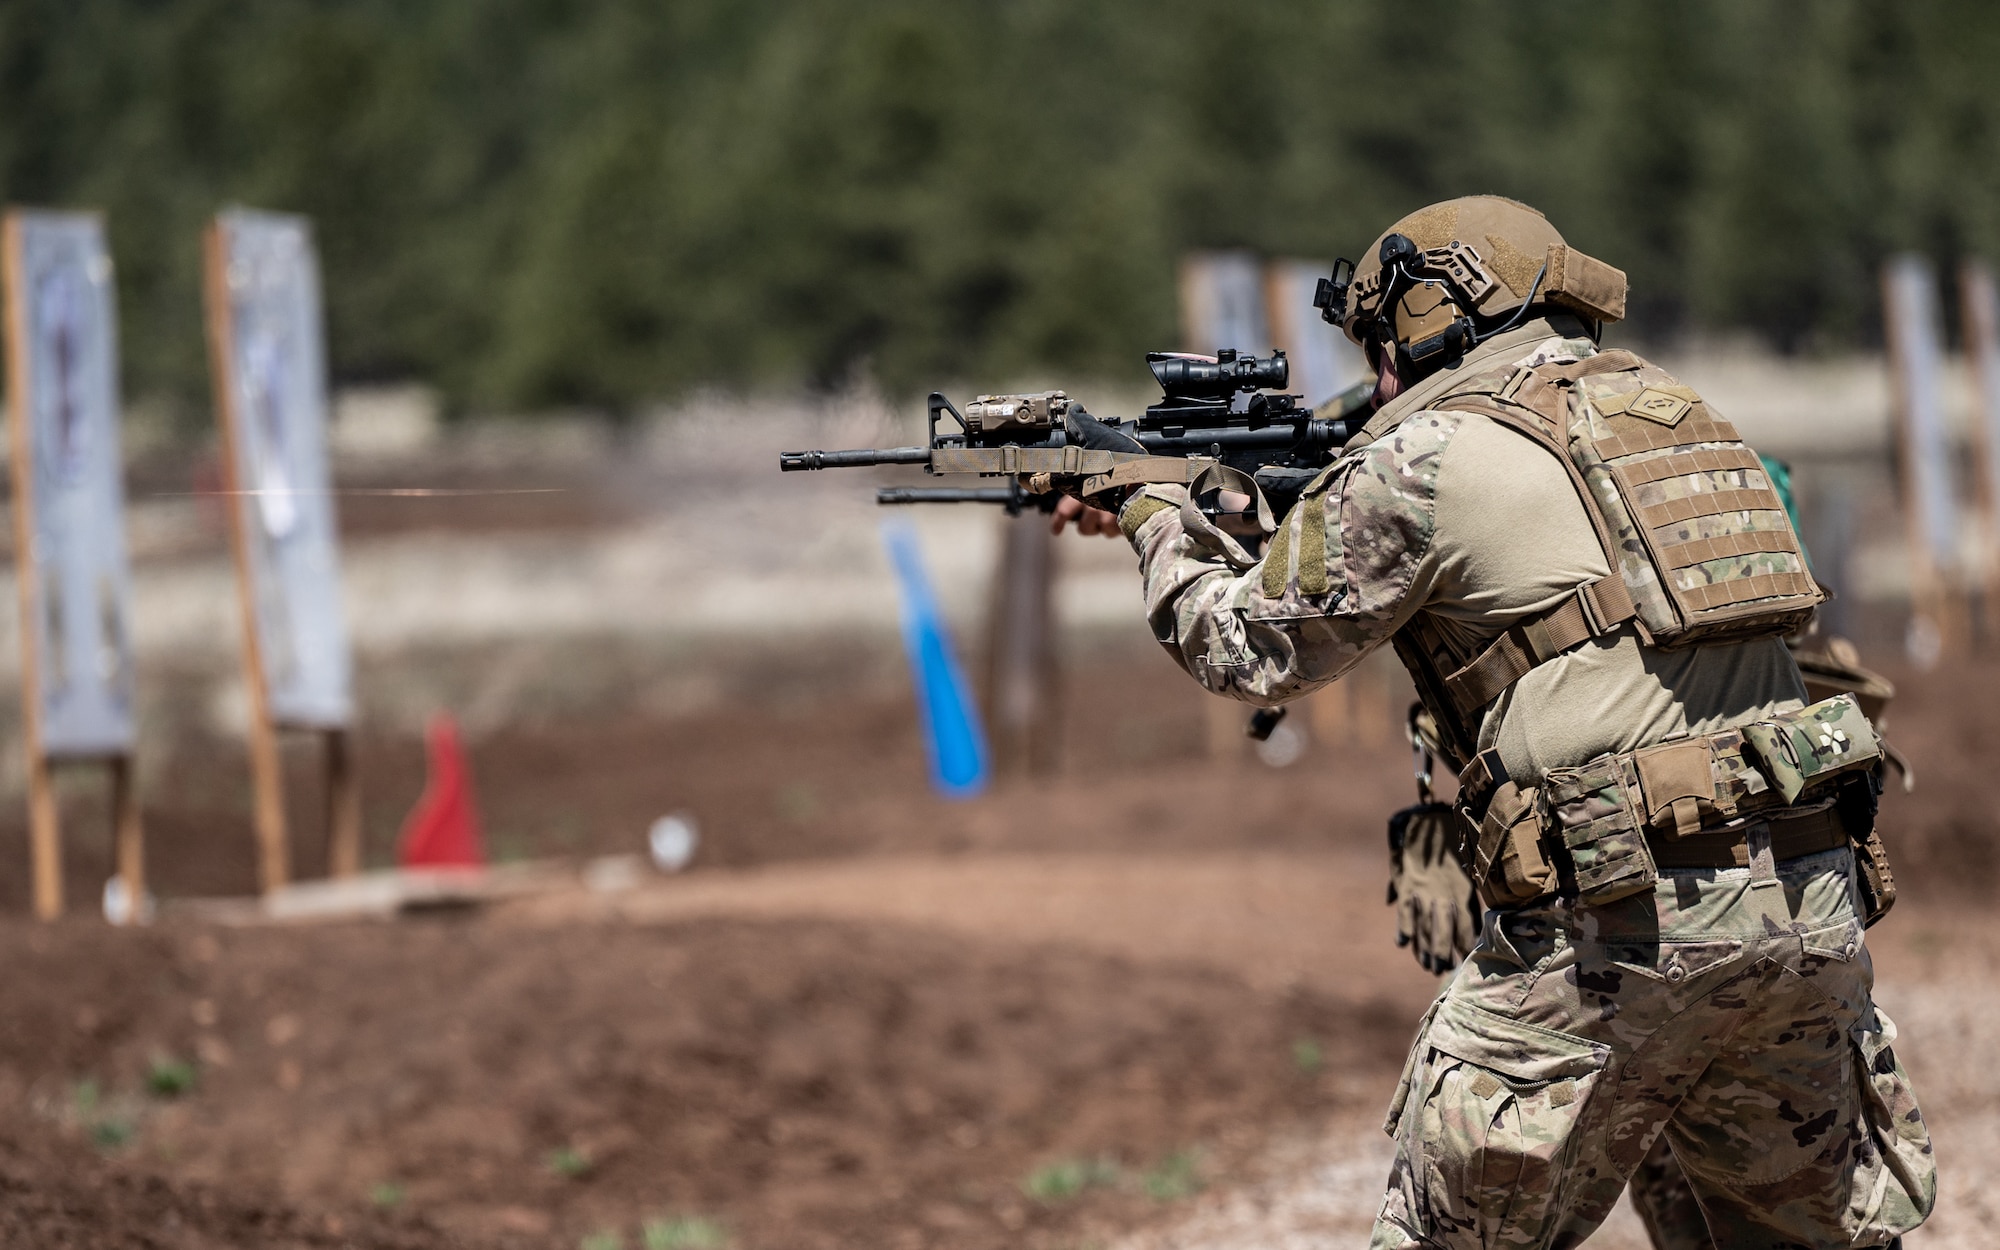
(1437, 912)
(1087, 431)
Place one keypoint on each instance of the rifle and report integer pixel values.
(1217, 427)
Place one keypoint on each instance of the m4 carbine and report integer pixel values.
(1218, 427)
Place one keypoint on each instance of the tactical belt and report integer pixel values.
(1750, 796)
(1807, 833)
(1592, 610)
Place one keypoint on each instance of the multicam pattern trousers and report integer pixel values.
(1731, 1015)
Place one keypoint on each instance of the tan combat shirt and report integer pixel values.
(1453, 514)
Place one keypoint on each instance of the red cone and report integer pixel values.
(442, 830)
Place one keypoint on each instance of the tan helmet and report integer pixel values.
(1446, 276)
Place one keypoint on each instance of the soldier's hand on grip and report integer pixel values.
(1089, 521)
(1087, 431)
(1437, 914)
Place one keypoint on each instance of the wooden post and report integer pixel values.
(127, 835)
(1981, 305)
(1021, 676)
(343, 807)
(1332, 713)
(267, 777)
(44, 831)
(1377, 719)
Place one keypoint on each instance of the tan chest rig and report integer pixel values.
(1698, 541)
(1701, 553)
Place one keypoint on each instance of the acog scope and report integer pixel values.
(1185, 376)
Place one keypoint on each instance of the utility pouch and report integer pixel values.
(1800, 749)
(1509, 865)
(1677, 786)
(1602, 828)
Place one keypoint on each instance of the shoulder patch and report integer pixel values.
(1655, 404)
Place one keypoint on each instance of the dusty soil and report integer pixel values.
(866, 1018)
(798, 764)
(805, 1082)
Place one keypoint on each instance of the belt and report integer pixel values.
(1807, 833)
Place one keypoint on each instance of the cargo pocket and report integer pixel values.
(1418, 1049)
(1502, 1104)
(1898, 1142)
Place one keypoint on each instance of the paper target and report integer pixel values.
(67, 345)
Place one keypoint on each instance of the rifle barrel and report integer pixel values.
(1198, 441)
(945, 494)
(796, 461)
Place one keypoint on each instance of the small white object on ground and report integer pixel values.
(1285, 745)
(119, 905)
(672, 840)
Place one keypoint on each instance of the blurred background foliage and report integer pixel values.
(600, 202)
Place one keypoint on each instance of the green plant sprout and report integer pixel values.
(1065, 1179)
(684, 1232)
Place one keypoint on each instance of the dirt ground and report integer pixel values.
(1150, 1001)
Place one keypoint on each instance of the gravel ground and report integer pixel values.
(1320, 1191)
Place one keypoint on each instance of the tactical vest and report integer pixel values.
(1700, 546)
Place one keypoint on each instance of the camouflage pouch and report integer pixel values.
(1508, 865)
(1800, 749)
(1595, 812)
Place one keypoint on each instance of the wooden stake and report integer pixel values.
(44, 837)
(44, 829)
(267, 775)
(1376, 718)
(1981, 306)
(343, 808)
(128, 833)
(1021, 675)
(1332, 714)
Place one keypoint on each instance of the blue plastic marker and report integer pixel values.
(953, 738)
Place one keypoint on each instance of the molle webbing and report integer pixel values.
(1592, 610)
(1710, 503)
(1701, 460)
(1684, 510)
(1654, 437)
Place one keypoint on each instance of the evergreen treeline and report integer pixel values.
(601, 201)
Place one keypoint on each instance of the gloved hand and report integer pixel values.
(1085, 430)
(1437, 912)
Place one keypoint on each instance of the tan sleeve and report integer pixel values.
(1512, 537)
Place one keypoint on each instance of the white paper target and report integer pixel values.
(1324, 362)
(1222, 303)
(1916, 343)
(277, 384)
(67, 317)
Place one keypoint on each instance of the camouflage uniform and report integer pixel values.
(1666, 1203)
(1726, 1015)
(1736, 1021)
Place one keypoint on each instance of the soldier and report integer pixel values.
(1589, 577)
